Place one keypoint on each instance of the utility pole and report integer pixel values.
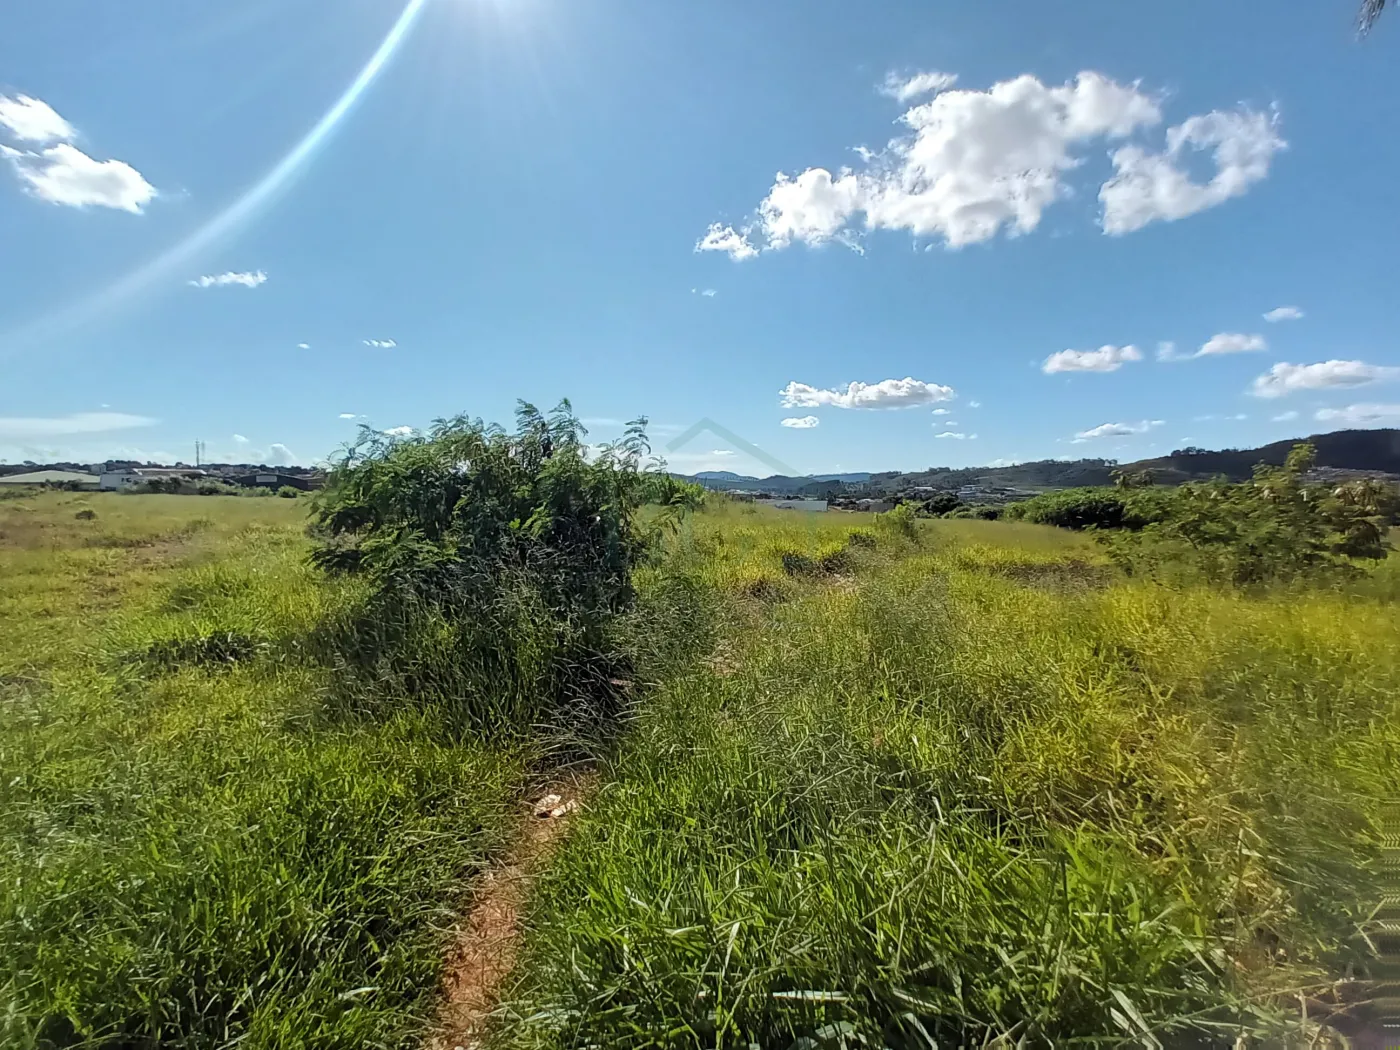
(198, 452)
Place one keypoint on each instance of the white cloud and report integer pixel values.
(279, 455)
(64, 174)
(1285, 417)
(974, 404)
(1104, 359)
(240, 439)
(888, 393)
(1366, 415)
(1148, 187)
(1116, 430)
(903, 88)
(722, 452)
(953, 434)
(973, 164)
(721, 238)
(1284, 313)
(32, 120)
(1231, 343)
(1286, 378)
(347, 415)
(398, 432)
(223, 280)
(24, 428)
(381, 344)
(303, 346)
(802, 422)
(1166, 351)
(944, 411)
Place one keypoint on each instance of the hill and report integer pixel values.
(1368, 450)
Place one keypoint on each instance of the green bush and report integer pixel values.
(1086, 508)
(901, 521)
(288, 492)
(1275, 527)
(940, 504)
(496, 565)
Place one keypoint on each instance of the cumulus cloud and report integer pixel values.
(25, 428)
(64, 174)
(974, 164)
(248, 279)
(721, 238)
(903, 88)
(1286, 378)
(381, 344)
(1104, 359)
(801, 422)
(398, 432)
(1283, 313)
(239, 439)
(1116, 430)
(303, 346)
(954, 435)
(32, 120)
(1150, 187)
(347, 415)
(1366, 415)
(708, 293)
(1231, 343)
(888, 393)
(279, 455)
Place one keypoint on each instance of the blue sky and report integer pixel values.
(1056, 227)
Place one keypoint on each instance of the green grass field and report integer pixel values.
(883, 787)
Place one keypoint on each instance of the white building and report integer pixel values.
(116, 480)
(52, 477)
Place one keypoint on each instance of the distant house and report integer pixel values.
(116, 480)
(272, 479)
(874, 506)
(70, 478)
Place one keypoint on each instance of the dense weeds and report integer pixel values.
(883, 783)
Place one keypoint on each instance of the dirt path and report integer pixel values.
(488, 938)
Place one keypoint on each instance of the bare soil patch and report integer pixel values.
(487, 941)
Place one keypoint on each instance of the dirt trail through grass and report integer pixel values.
(486, 945)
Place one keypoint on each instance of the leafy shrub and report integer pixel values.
(1085, 508)
(667, 490)
(901, 521)
(87, 514)
(941, 503)
(495, 565)
(288, 492)
(1274, 527)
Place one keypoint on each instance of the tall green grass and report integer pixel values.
(192, 853)
(975, 786)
